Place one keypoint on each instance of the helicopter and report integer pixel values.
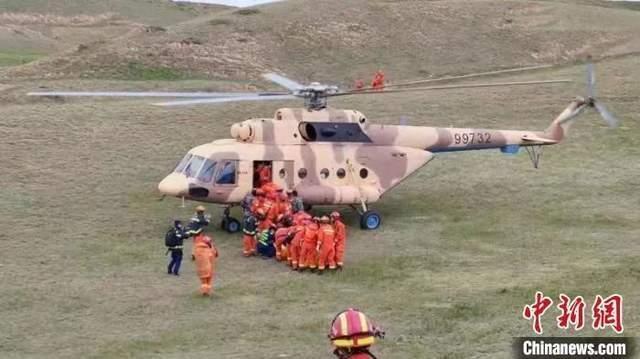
(332, 156)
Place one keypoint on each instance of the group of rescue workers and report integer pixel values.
(275, 224)
(286, 231)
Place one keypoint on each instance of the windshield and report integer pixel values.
(193, 166)
(227, 174)
(206, 174)
(183, 163)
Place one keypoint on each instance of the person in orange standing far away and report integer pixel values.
(378, 80)
(326, 245)
(206, 254)
(340, 238)
(308, 254)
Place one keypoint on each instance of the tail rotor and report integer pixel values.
(592, 102)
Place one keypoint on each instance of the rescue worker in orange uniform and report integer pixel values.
(197, 224)
(282, 232)
(352, 335)
(206, 254)
(286, 210)
(308, 254)
(258, 200)
(326, 245)
(340, 238)
(378, 80)
(270, 207)
(295, 247)
(264, 174)
(249, 227)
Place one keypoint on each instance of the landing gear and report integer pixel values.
(369, 219)
(229, 223)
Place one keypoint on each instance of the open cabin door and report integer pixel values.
(283, 174)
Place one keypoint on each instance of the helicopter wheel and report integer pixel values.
(230, 225)
(370, 220)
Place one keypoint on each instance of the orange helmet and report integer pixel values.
(352, 329)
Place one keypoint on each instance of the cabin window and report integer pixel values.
(364, 173)
(183, 162)
(324, 173)
(207, 171)
(282, 173)
(302, 173)
(227, 174)
(341, 173)
(192, 168)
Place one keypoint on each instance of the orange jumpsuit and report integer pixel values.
(257, 203)
(378, 81)
(296, 246)
(267, 207)
(281, 236)
(285, 207)
(340, 241)
(308, 255)
(326, 246)
(206, 254)
(264, 174)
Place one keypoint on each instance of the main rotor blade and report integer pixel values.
(591, 81)
(283, 81)
(450, 87)
(226, 99)
(460, 77)
(145, 94)
(611, 120)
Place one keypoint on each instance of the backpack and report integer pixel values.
(170, 238)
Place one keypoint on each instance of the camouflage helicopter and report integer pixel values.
(331, 156)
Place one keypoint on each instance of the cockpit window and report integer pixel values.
(183, 162)
(207, 171)
(227, 175)
(192, 168)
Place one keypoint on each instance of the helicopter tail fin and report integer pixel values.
(559, 128)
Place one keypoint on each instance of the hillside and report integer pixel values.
(33, 29)
(465, 242)
(333, 40)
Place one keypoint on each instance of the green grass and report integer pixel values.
(156, 12)
(464, 244)
(17, 58)
(140, 72)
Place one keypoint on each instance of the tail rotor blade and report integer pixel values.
(611, 120)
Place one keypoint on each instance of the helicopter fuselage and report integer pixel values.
(329, 156)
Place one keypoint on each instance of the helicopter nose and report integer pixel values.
(175, 184)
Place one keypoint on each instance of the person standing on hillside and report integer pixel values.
(205, 256)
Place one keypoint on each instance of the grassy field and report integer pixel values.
(17, 58)
(464, 245)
